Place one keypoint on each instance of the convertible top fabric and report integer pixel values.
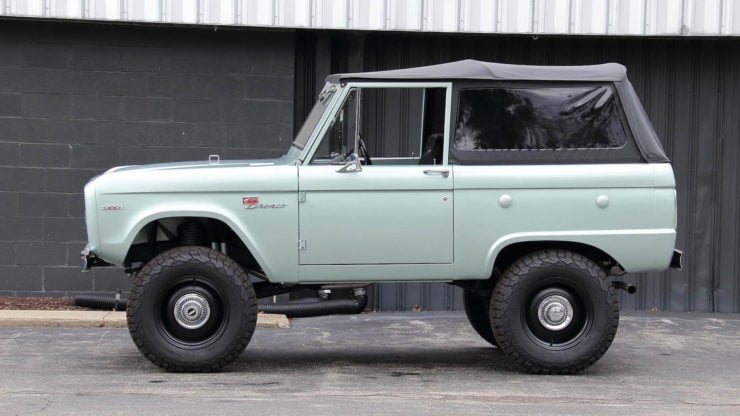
(469, 69)
(478, 70)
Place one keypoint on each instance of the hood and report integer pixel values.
(201, 164)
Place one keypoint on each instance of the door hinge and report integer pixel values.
(302, 196)
(301, 244)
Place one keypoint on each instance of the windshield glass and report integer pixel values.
(311, 121)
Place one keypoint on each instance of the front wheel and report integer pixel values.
(554, 312)
(191, 309)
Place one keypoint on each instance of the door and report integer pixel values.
(380, 215)
(396, 206)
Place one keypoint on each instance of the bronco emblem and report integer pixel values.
(253, 202)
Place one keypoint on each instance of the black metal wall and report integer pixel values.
(691, 90)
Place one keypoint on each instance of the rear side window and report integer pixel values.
(538, 120)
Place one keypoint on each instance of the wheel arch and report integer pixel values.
(142, 234)
(510, 253)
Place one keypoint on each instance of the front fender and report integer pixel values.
(269, 234)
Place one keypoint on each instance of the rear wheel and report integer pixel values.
(477, 307)
(191, 309)
(554, 312)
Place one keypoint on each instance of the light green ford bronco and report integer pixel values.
(532, 188)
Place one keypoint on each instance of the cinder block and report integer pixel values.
(94, 157)
(220, 86)
(10, 80)
(144, 59)
(194, 109)
(8, 205)
(9, 153)
(64, 230)
(209, 134)
(57, 81)
(97, 108)
(203, 59)
(96, 57)
(10, 104)
(46, 105)
(262, 136)
(68, 279)
(21, 278)
(7, 253)
(10, 54)
(42, 204)
(21, 229)
(110, 279)
(41, 254)
(131, 155)
(256, 111)
(67, 180)
(44, 55)
(172, 84)
(21, 179)
(44, 155)
(146, 109)
(76, 204)
(272, 88)
(116, 83)
(165, 134)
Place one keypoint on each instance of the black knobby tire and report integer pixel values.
(477, 307)
(531, 336)
(186, 279)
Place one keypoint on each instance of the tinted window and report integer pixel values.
(541, 118)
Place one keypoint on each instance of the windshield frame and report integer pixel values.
(313, 120)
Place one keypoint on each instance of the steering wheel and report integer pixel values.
(363, 151)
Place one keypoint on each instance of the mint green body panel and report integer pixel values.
(559, 203)
(215, 192)
(382, 215)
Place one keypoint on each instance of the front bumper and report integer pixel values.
(90, 260)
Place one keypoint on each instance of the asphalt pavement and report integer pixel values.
(377, 363)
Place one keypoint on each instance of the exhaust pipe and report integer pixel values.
(627, 287)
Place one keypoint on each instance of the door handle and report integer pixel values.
(444, 172)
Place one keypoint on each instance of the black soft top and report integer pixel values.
(469, 69)
(478, 70)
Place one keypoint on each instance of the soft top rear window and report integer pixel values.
(539, 118)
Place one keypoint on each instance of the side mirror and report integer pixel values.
(354, 165)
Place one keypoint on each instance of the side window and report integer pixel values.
(540, 118)
(399, 126)
(338, 142)
(404, 125)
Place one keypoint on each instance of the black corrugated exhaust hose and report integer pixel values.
(304, 308)
(301, 308)
(108, 302)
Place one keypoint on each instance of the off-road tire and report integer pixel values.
(173, 275)
(527, 283)
(477, 307)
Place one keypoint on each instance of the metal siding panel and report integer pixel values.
(613, 17)
(728, 271)
(593, 17)
(691, 91)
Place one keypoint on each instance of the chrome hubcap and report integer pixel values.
(192, 311)
(555, 312)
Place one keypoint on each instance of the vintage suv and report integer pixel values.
(529, 187)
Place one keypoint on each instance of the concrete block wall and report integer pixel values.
(79, 98)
